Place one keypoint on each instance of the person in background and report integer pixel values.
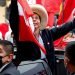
(29, 50)
(43, 35)
(6, 59)
(69, 57)
(9, 36)
(56, 19)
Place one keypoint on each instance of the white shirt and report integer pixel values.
(41, 42)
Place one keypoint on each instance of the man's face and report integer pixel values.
(3, 55)
(36, 22)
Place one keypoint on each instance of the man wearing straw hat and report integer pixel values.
(29, 50)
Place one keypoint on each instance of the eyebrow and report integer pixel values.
(38, 15)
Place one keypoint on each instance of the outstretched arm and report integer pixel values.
(58, 32)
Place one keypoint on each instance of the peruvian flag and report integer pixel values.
(25, 29)
(52, 7)
(66, 15)
(4, 28)
(69, 6)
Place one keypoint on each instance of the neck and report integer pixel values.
(36, 34)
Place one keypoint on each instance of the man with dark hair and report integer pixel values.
(6, 56)
(69, 57)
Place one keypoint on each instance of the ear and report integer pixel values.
(10, 57)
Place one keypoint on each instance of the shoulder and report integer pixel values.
(10, 69)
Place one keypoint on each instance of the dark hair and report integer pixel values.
(70, 52)
(8, 46)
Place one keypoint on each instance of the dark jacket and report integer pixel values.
(10, 69)
(29, 50)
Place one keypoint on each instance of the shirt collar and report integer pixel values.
(3, 66)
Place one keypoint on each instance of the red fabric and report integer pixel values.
(60, 44)
(25, 32)
(26, 8)
(51, 19)
(64, 16)
(38, 1)
(3, 29)
(69, 6)
(52, 7)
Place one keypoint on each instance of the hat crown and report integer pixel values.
(41, 11)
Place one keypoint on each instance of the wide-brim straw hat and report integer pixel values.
(41, 11)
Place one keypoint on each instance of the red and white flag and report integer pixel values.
(25, 30)
(69, 6)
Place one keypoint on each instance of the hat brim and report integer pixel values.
(41, 11)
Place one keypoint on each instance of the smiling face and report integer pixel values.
(36, 22)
